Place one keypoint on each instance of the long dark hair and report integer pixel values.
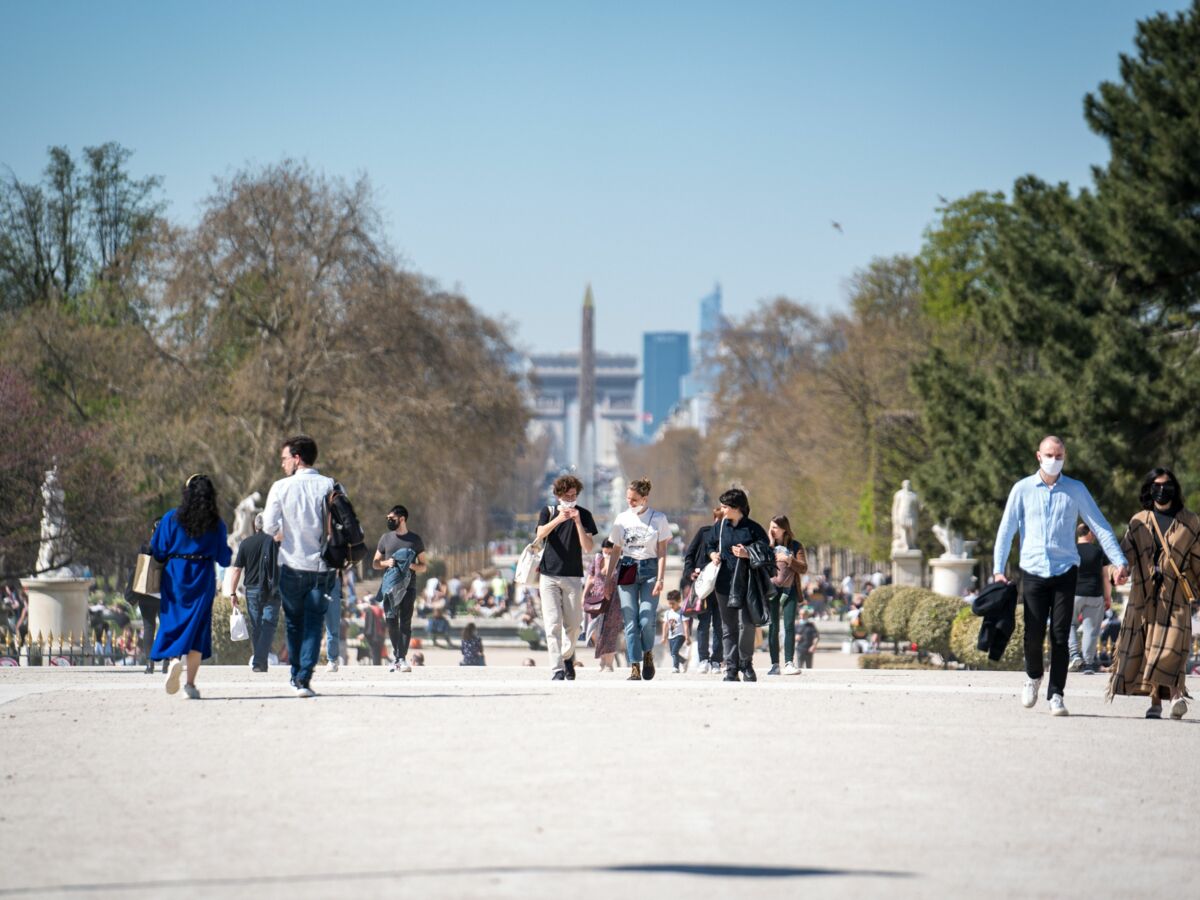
(1148, 483)
(782, 523)
(197, 512)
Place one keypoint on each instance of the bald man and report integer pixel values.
(1044, 508)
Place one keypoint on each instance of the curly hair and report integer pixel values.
(566, 483)
(640, 486)
(197, 511)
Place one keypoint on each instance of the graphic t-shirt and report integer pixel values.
(563, 555)
(638, 535)
(674, 620)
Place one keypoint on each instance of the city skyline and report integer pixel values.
(521, 150)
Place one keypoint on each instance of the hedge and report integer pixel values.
(931, 623)
(873, 609)
(899, 609)
(225, 651)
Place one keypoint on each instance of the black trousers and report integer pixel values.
(1053, 599)
(709, 624)
(737, 631)
(149, 608)
(400, 628)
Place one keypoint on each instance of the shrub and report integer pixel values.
(965, 632)
(225, 651)
(932, 621)
(899, 610)
(891, 661)
(873, 609)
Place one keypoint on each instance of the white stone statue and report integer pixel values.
(951, 540)
(906, 506)
(54, 549)
(243, 519)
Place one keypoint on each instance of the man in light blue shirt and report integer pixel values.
(1044, 508)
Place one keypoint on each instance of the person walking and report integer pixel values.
(1044, 509)
(258, 559)
(676, 631)
(1156, 633)
(296, 508)
(374, 629)
(399, 618)
(611, 626)
(1093, 595)
(708, 623)
(727, 544)
(567, 532)
(189, 541)
(639, 536)
(790, 563)
(148, 605)
(807, 639)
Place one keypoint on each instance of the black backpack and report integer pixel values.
(344, 543)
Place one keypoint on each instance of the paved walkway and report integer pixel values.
(498, 783)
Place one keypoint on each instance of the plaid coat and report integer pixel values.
(1156, 634)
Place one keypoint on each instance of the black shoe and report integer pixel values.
(149, 670)
(647, 666)
(748, 674)
(731, 674)
(569, 667)
(166, 664)
(560, 675)
(259, 669)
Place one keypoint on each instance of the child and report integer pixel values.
(472, 647)
(807, 639)
(676, 630)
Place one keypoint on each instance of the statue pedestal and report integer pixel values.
(906, 568)
(952, 575)
(58, 606)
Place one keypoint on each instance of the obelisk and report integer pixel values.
(587, 400)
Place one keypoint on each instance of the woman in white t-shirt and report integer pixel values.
(639, 536)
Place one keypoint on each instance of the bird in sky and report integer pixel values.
(837, 226)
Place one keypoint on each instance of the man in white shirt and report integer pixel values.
(296, 509)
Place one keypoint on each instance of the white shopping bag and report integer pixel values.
(237, 626)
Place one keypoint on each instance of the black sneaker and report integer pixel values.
(748, 674)
(569, 667)
(647, 666)
(730, 674)
(559, 675)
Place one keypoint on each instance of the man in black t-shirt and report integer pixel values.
(258, 557)
(1093, 595)
(567, 530)
(399, 620)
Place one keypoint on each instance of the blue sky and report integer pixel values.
(520, 150)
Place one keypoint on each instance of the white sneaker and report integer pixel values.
(791, 669)
(193, 693)
(173, 674)
(705, 667)
(1057, 707)
(1030, 694)
(304, 692)
(674, 670)
(400, 665)
(1179, 708)
(1076, 664)
(332, 667)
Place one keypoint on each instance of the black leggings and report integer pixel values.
(149, 607)
(400, 628)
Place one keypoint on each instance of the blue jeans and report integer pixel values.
(263, 616)
(639, 609)
(333, 620)
(305, 597)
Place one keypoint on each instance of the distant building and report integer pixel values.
(666, 361)
(555, 382)
(701, 383)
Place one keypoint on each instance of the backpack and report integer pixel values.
(344, 542)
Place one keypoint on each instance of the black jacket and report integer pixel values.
(725, 536)
(997, 604)
(694, 557)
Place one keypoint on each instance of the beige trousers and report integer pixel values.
(562, 614)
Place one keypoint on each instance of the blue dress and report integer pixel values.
(188, 587)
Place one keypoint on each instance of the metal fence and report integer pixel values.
(67, 650)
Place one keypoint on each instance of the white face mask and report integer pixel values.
(567, 504)
(639, 509)
(1051, 466)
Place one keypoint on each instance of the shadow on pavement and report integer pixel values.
(696, 869)
(292, 698)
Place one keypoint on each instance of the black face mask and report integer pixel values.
(393, 524)
(1163, 493)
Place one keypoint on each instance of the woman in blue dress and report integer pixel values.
(189, 541)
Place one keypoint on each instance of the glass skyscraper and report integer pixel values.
(666, 359)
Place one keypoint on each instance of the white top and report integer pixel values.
(296, 506)
(480, 588)
(431, 587)
(638, 536)
(674, 620)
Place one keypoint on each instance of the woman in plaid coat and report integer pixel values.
(1156, 634)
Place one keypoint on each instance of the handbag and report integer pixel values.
(529, 561)
(627, 573)
(147, 575)
(706, 581)
(693, 603)
(1162, 539)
